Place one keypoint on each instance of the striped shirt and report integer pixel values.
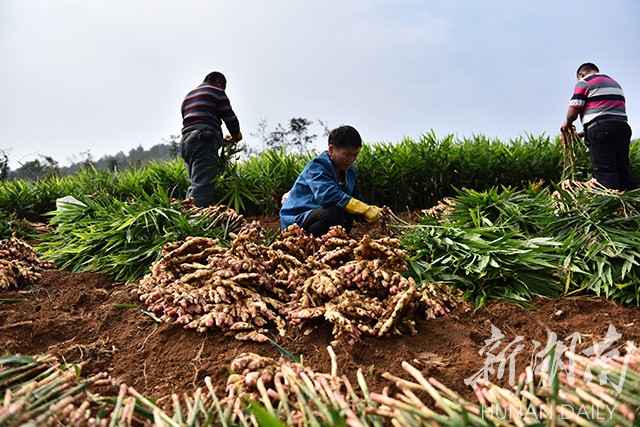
(205, 107)
(598, 97)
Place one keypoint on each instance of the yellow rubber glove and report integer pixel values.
(371, 213)
(357, 207)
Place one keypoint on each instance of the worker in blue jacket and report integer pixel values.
(324, 194)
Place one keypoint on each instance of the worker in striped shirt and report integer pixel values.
(203, 111)
(600, 103)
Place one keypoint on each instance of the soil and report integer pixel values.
(75, 318)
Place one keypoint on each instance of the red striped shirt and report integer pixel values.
(598, 97)
(206, 107)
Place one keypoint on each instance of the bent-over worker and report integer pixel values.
(325, 193)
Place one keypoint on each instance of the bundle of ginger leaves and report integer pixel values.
(123, 238)
(514, 245)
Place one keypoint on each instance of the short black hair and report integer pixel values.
(587, 66)
(216, 77)
(345, 137)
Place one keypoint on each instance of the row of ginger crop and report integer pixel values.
(249, 288)
(264, 391)
(595, 390)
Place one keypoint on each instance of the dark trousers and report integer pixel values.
(199, 150)
(609, 152)
(321, 219)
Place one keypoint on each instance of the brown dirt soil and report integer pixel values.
(74, 317)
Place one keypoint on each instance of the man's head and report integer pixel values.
(344, 145)
(586, 69)
(216, 79)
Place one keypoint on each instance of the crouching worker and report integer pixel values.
(325, 194)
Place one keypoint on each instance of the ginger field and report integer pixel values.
(89, 319)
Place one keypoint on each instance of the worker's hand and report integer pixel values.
(568, 133)
(372, 214)
(229, 139)
(567, 127)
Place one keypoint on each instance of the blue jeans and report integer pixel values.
(199, 150)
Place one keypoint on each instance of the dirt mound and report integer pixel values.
(75, 317)
(84, 318)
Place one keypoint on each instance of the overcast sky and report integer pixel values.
(102, 76)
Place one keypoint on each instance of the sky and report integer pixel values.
(95, 77)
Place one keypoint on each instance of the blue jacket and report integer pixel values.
(316, 186)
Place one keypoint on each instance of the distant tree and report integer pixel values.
(32, 169)
(36, 169)
(112, 164)
(298, 131)
(296, 136)
(261, 134)
(174, 145)
(4, 165)
(51, 167)
(136, 156)
(325, 127)
(87, 159)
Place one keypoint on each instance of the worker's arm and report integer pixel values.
(572, 115)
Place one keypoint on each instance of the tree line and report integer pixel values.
(46, 166)
(295, 136)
